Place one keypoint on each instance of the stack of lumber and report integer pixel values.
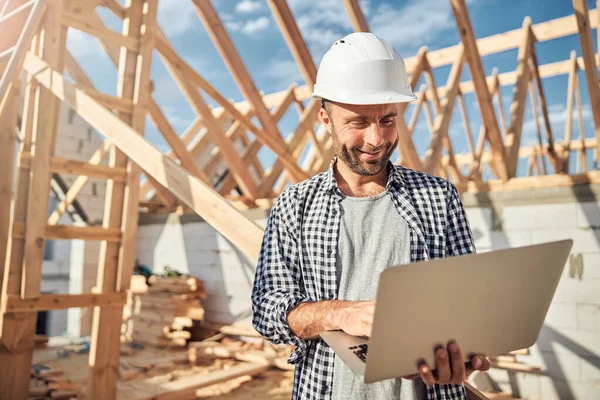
(52, 383)
(165, 312)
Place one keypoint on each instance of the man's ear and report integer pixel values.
(325, 119)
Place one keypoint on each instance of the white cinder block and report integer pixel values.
(590, 370)
(588, 317)
(591, 265)
(583, 240)
(573, 290)
(562, 314)
(561, 340)
(564, 366)
(588, 215)
(560, 390)
(518, 217)
(479, 217)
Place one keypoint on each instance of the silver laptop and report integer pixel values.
(490, 303)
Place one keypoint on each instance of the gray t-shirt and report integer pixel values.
(373, 236)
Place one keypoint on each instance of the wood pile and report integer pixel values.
(164, 313)
(49, 383)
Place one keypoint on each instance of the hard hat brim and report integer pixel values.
(364, 97)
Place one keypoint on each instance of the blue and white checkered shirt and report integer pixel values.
(297, 260)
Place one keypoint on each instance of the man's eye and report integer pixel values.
(358, 123)
(387, 122)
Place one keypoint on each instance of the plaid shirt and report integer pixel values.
(297, 260)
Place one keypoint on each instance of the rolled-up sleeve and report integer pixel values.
(278, 283)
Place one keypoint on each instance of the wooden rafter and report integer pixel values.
(517, 109)
(591, 67)
(483, 96)
(359, 22)
(537, 124)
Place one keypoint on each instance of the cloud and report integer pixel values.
(248, 6)
(404, 27)
(251, 27)
(254, 26)
(284, 72)
(177, 17)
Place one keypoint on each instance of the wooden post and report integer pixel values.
(22, 275)
(591, 69)
(537, 123)
(121, 208)
(433, 155)
(517, 109)
(294, 39)
(483, 95)
(566, 153)
(359, 22)
(582, 159)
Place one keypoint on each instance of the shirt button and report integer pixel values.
(334, 212)
(331, 296)
(325, 390)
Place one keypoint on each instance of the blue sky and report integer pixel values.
(406, 24)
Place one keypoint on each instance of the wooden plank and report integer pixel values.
(566, 153)
(293, 37)
(69, 232)
(14, 61)
(463, 111)
(582, 159)
(9, 108)
(12, 24)
(242, 232)
(73, 167)
(163, 125)
(110, 102)
(185, 387)
(14, 303)
(18, 329)
(116, 8)
(517, 108)
(237, 68)
(84, 24)
(483, 96)
(591, 68)
(537, 122)
(78, 185)
(433, 155)
(542, 99)
(359, 22)
(528, 183)
(543, 31)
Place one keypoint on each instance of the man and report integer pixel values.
(328, 238)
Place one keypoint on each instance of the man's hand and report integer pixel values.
(450, 366)
(355, 318)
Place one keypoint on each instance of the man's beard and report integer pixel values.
(351, 156)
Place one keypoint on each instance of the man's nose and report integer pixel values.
(374, 135)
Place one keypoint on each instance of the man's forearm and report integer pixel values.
(308, 319)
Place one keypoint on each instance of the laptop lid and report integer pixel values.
(490, 303)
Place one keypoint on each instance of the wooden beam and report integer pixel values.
(582, 159)
(543, 31)
(47, 302)
(517, 109)
(23, 275)
(73, 167)
(110, 102)
(171, 58)
(237, 68)
(483, 96)
(116, 8)
(359, 22)
(566, 153)
(9, 109)
(542, 99)
(433, 155)
(591, 68)
(15, 59)
(528, 183)
(68, 232)
(163, 125)
(12, 23)
(289, 28)
(242, 232)
(463, 111)
(84, 24)
(537, 122)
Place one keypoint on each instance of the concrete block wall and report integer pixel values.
(568, 347)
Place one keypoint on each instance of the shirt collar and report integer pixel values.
(394, 182)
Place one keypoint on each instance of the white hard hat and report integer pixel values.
(362, 68)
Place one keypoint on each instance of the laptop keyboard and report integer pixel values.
(360, 351)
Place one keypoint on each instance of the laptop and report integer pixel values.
(490, 303)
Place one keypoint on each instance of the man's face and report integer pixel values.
(364, 136)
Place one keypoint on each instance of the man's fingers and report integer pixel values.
(479, 363)
(442, 364)
(426, 374)
(457, 362)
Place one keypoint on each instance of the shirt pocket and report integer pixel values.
(436, 242)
